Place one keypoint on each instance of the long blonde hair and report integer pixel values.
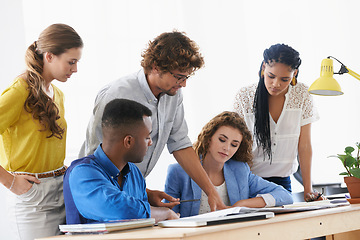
(56, 39)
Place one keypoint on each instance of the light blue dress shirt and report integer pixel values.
(168, 123)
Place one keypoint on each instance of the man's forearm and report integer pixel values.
(190, 162)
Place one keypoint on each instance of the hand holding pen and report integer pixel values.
(314, 196)
(156, 198)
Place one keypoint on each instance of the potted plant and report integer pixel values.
(352, 173)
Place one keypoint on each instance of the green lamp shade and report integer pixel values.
(326, 84)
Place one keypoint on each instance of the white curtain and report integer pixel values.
(232, 36)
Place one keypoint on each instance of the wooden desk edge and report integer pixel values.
(183, 233)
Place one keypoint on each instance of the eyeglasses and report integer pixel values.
(180, 78)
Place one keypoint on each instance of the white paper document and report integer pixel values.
(238, 214)
(302, 206)
(104, 227)
(229, 215)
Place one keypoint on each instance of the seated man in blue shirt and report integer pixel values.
(107, 185)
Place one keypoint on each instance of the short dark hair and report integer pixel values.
(123, 112)
(172, 51)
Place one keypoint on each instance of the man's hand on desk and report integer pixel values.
(215, 202)
(155, 198)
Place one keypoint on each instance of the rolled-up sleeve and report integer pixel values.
(178, 138)
(261, 187)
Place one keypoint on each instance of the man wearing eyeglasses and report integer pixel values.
(167, 63)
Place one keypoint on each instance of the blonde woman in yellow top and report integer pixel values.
(33, 134)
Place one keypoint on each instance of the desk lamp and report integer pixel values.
(326, 84)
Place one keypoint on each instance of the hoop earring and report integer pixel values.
(293, 81)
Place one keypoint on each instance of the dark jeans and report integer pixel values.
(283, 181)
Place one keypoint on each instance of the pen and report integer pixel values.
(190, 200)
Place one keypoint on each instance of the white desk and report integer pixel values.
(335, 223)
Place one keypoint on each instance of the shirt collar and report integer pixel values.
(106, 163)
(146, 88)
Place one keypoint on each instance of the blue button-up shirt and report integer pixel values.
(92, 192)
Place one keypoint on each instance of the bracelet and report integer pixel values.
(12, 184)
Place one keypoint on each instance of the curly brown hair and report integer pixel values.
(172, 51)
(226, 118)
(56, 38)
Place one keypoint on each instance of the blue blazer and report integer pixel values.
(241, 184)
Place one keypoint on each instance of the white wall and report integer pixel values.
(232, 36)
(12, 44)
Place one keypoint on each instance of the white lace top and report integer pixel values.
(222, 190)
(298, 111)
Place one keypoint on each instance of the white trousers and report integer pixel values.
(38, 212)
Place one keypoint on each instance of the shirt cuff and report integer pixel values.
(268, 198)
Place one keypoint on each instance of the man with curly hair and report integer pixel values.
(167, 63)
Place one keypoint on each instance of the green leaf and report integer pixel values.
(355, 172)
(342, 157)
(350, 161)
(349, 150)
(344, 173)
(358, 145)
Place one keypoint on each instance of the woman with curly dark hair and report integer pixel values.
(225, 149)
(33, 134)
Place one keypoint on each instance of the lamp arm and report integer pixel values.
(343, 68)
(354, 74)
